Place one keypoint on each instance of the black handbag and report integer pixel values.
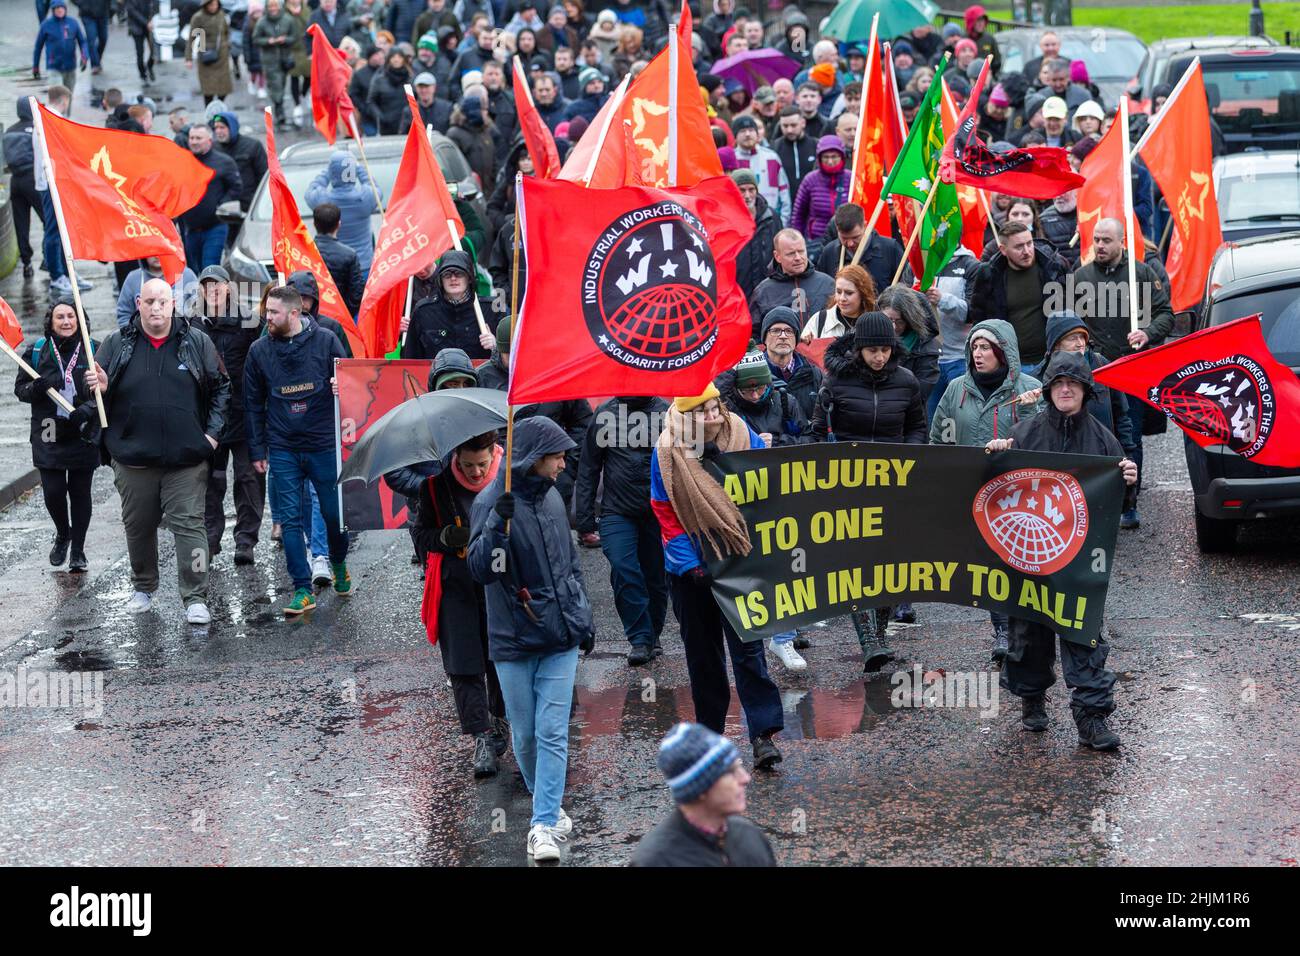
(208, 57)
(287, 62)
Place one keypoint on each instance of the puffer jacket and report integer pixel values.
(19, 151)
(249, 156)
(438, 324)
(751, 263)
(858, 403)
(536, 600)
(818, 197)
(346, 183)
(618, 446)
(1107, 405)
(805, 293)
(776, 413)
(1077, 434)
(233, 335)
(964, 416)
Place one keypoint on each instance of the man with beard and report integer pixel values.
(1059, 222)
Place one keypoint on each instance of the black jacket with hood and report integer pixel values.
(305, 284)
(19, 151)
(619, 445)
(1077, 434)
(344, 268)
(751, 263)
(438, 324)
(860, 404)
(777, 413)
(1106, 404)
(249, 156)
(233, 335)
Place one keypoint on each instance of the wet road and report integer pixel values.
(334, 740)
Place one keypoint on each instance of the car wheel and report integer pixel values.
(1215, 536)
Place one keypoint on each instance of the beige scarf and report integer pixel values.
(705, 511)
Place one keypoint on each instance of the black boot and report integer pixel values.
(658, 649)
(870, 626)
(640, 655)
(78, 563)
(59, 553)
(500, 735)
(1000, 645)
(244, 554)
(485, 758)
(1094, 733)
(1033, 713)
(766, 756)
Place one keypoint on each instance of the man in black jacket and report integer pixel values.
(796, 149)
(204, 234)
(340, 259)
(751, 263)
(792, 281)
(617, 449)
(166, 396)
(707, 782)
(1065, 426)
(249, 155)
(233, 331)
(434, 110)
(881, 258)
(359, 89)
(334, 23)
(449, 320)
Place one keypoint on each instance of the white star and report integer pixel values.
(668, 269)
(1033, 503)
(922, 184)
(699, 243)
(1224, 401)
(604, 340)
(1228, 377)
(633, 248)
(1056, 491)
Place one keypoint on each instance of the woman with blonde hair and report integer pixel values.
(855, 293)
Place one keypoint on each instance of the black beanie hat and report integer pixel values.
(874, 328)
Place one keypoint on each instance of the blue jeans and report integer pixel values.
(203, 246)
(291, 469)
(318, 541)
(96, 36)
(636, 574)
(948, 372)
(1136, 414)
(538, 692)
(52, 245)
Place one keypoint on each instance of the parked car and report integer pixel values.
(1155, 66)
(1262, 276)
(1253, 93)
(249, 259)
(1112, 56)
(1258, 193)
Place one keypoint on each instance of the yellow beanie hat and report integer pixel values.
(687, 403)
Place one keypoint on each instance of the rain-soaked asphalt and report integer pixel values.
(334, 739)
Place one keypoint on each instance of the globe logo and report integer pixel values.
(1226, 401)
(650, 291)
(1034, 520)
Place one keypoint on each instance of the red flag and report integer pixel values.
(639, 299)
(330, 76)
(416, 230)
(905, 209)
(1102, 194)
(120, 191)
(1035, 172)
(611, 169)
(537, 135)
(974, 205)
(293, 248)
(870, 162)
(1176, 150)
(685, 25)
(10, 330)
(1221, 386)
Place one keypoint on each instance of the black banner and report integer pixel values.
(842, 527)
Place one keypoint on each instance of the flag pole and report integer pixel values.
(514, 314)
(1173, 94)
(473, 281)
(361, 148)
(1130, 239)
(862, 106)
(67, 253)
(871, 229)
(674, 41)
(406, 309)
(604, 130)
(916, 230)
(22, 364)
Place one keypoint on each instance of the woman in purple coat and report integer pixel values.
(823, 190)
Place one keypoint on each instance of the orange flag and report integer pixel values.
(417, 230)
(1102, 194)
(330, 76)
(611, 170)
(1177, 153)
(870, 165)
(120, 191)
(537, 135)
(974, 207)
(294, 250)
(895, 136)
(685, 24)
(10, 329)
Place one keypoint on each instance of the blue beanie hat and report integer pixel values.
(694, 758)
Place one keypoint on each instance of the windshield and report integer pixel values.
(450, 161)
(1105, 56)
(1252, 94)
(1272, 195)
(1279, 318)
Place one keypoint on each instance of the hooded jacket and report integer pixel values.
(19, 151)
(387, 98)
(249, 156)
(820, 193)
(1106, 405)
(233, 334)
(805, 293)
(346, 183)
(1077, 434)
(1107, 319)
(437, 323)
(304, 283)
(60, 37)
(1058, 229)
(617, 446)
(857, 403)
(776, 413)
(476, 138)
(224, 186)
(964, 416)
(536, 601)
(288, 402)
(751, 263)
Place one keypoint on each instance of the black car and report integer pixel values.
(1253, 93)
(1253, 276)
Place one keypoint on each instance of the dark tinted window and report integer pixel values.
(1280, 319)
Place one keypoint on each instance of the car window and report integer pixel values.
(1252, 92)
(1013, 58)
(300, 177)
(1279, 318)
(1263, 194)
(1105, 56)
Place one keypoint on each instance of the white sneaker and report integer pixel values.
(542, 843)
(297, 115)
(82, 284)
(321, 575)
(62, 285)
(140, 602)
(198, 613)
(788, 656)
(252, 88)
(563, 825)
(261, 92)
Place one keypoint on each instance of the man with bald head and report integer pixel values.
(166, 395)
(1101, 297)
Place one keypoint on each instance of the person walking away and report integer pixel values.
(694, 513)
(139, 13)
(538, 617)
(204, 233)
(986, 403)
(448, 320)
(233, 331)
(94, 20)
(706, 828)
(290, 417)
(166, 396)
(454, 607)
(65, 445)
(20, 162)
(62, 38)
(340, 259)
(346, 184)
(616, 457)
(210, 44)
(1065, 426)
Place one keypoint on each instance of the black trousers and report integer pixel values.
(250, 496)
(22, 187)
(1028, 672)
(62, 488)
(478, 697)
(143, 63)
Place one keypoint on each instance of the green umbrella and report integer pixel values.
(850, 21)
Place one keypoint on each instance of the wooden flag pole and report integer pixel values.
(916, 230)
(473, 284)
(406, 309)
(610, 120)
(361, 148)
(56, 396)
(67, 254)
(674, 41)
(1130, 239)
(871, 228)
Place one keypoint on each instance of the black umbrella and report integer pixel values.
(425, 428)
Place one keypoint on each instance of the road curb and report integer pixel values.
(18, 487)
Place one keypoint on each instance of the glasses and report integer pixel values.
(785, 333)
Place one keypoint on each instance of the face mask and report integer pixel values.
(831, 164)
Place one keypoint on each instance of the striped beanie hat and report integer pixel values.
(693, 758)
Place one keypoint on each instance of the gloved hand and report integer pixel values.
(588, 643)
(505, 506)
(51, 379)
(699, 576)
(83, 414)
(454, 536)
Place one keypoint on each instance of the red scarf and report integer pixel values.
(477, 486)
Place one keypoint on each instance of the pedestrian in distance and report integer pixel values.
(209, 43)
(62, 38)
(346, 184)
(204, 233)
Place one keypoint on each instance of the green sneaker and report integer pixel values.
(342, 580)
(302, 601)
